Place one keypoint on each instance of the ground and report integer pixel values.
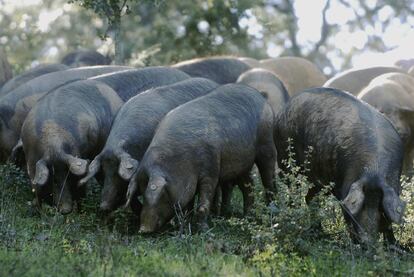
(85, 244)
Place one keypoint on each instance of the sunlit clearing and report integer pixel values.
(249, 22)
(46, 17)
(403, 51)
(273, 50)
(339, 14)
(309, 24)
(347, 40)
(9, 6)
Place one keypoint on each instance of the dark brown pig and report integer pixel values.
(270, 86)
(131, 133)
(211, 140)
(85, 58)
(392, 94)
(356, 79)
(405, 64)
(29, 75)
(15, 106)
(222, 70)
(253, 63)
(129, 83)
(71, 124)
(296, 73)
(411, 71)
(355, 147)
(65, 125)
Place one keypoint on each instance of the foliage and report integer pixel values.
(186, 29)
(201, 27)
(28, 40)
(112, 11)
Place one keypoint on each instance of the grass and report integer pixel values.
(262, 244)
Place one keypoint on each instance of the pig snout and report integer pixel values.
(148, 229)
(150, 222)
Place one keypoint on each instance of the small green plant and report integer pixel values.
(289, 221)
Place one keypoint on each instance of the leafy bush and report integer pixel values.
(289, 230)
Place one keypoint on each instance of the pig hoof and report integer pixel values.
(226, 213)
(34, 211)
(145, 230)
(66, 209)
(136, 207)
(105, 207)
(399, 248)
(203, 227)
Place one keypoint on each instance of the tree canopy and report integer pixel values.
(162, 32)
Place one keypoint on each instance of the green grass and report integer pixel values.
(84, 244)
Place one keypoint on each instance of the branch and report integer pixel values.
(325, 30)
(123, 5)
(279, 8)
(358, 18)
(292, 25)
(368, 12)
(107, 9)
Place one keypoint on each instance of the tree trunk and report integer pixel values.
(5, 69)
(119, 45)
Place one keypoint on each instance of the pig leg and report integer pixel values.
(63, 198)
(62, 192)
(227, 189)
(389, 238)
(77, 192)
(408, 169)
(136, 206)
(246, 187)
(266, 162)
(190, 207)
(100, 177)
(42, 194)
(215, 209)
(391, 241)
(207, 187)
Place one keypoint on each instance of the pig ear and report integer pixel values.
(392, 204)
(355, 198)
(93, 168)
(407, 112)
(132, 189)
(41, 174)
(127, 167)
(17, 151)
(76, 165)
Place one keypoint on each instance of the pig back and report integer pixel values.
(222, 70)
(344, 133)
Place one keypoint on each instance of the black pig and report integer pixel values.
(208, 141)
(355, 147)
(131, 133)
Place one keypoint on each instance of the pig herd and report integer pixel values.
(158, 139)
